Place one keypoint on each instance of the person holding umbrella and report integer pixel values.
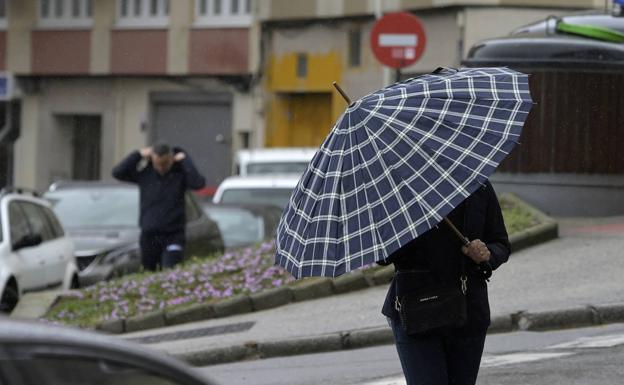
(398, 163)
(450, 355)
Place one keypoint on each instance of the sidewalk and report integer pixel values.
(552, 283)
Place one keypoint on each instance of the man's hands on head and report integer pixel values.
(178, 157)
(146, 152)
(477, 251)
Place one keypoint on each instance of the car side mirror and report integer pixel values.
(29, 240)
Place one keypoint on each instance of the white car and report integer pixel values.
(276, 160)
(261, 189)
(35, 253)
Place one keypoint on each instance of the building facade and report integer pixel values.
(306, 45)
(96, 79)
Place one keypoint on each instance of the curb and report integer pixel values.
(308, 288)
(361, 338)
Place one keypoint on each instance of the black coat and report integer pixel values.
(162, 196)
(438, 250)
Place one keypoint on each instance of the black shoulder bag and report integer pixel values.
(428, 307)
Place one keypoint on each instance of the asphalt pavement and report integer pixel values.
(571, 281)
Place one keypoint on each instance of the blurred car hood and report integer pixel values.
(94, 241)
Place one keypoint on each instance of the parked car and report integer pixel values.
(35, 253)
(284, 160)
(261, 189)
(35, 353)
(244, 225)
(102, 218)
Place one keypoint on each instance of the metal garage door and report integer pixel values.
(201, 123)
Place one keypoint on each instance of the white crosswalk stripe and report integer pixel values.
(489, 361)
(608, 341)
(516, 358)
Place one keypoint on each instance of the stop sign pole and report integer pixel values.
(398, 40)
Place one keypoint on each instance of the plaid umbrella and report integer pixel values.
(396, 163)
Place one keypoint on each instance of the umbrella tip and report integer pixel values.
(342, 93)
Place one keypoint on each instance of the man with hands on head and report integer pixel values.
(163, 176)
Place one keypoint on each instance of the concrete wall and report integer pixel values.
(566, 194)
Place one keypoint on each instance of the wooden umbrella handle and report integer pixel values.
(461, 236)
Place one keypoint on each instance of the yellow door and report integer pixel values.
(309, 119)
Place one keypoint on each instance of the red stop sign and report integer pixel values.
(398, 39)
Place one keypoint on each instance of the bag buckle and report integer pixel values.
(397, 303)
(464, 286)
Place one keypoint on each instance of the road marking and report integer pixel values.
(516, 358)
(399, 380)
(608, 341)
(486, 362)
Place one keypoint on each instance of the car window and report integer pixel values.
(48, 369)
(268, 196)
(54, 223)
(238, 227)
(96, 208)
(192, 211)
(18, 223)
(38, 222)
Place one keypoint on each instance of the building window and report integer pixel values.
(223, 13)
(3, 14)
(302, 65)
(143, 13)
(355, 48)
(65, 13)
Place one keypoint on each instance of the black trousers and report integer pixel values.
(439, 358)
(162, 250)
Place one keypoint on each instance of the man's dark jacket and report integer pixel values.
(438, 250)
(161, 196)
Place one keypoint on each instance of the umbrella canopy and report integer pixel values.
(396, 162)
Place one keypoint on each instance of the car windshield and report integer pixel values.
(238, 226)
(92, 208)
(266, 196)
(276, 168)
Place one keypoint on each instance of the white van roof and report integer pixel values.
(275, 181)
(276, 153)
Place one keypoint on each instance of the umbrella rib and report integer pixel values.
(440, 170)
(377, 243)
(393, 185)
(420, 202)
(442, 142)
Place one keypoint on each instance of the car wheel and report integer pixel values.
(10, 296)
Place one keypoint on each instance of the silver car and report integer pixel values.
(39, 354)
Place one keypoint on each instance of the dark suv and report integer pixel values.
(102, 219)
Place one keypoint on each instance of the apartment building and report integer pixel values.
(306, 45)
(94, 79)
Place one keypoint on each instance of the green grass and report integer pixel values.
(199, 280)
(516, 218)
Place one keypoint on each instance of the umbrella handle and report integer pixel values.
(461, 236)
(342, 93)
